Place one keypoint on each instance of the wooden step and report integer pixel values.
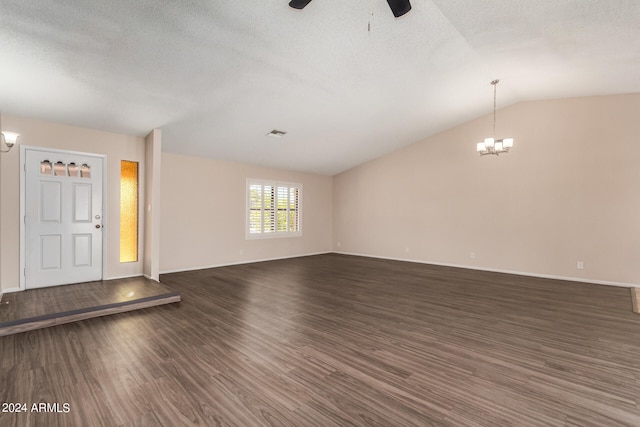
(41, 308)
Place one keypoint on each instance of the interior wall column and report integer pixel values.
(153, 156)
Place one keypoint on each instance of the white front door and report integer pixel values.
(63, 218)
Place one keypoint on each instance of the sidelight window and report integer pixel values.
(128, 211)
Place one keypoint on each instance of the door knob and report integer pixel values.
(97, 225)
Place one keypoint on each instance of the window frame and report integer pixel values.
(274, 234)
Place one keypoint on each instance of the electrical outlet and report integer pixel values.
(339, 244)
(472, 255)
(406, 250)
(580, 265)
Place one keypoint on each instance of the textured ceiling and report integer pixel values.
(216, 76)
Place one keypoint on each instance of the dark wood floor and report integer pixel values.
(335, 340)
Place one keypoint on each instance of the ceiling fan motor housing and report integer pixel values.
(398, 7)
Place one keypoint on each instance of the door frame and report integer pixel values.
(23, 176)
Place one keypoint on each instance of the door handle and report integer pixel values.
(98, 225)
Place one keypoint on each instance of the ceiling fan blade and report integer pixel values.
(299, 4)
(398, 7)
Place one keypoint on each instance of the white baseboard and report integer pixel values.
(122, 277)
(11, 290)
(180, 270)
(518, 273)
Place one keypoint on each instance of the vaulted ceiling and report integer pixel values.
(346, 80)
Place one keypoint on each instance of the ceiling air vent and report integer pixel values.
(276, 133)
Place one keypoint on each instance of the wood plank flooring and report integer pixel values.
(44, 307)
(334, 340)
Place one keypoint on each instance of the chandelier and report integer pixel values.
(493, 145)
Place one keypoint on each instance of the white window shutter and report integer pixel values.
(273, 209)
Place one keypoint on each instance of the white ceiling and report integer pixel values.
(216, 76)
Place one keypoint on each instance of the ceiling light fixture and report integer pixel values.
(493, 145)
(277, 133)
(8, 138)
(398, 7)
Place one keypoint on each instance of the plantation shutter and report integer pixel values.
(273, 208)
(269, 210)
(294, 195)
(255, 208)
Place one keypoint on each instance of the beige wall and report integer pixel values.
(203, 214)
(569, 191)
(38, 133)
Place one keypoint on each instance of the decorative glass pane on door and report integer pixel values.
(73, 170)
(46, 168)
(60, 169)
(85, 171)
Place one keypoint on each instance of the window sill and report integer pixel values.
(271, 236)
